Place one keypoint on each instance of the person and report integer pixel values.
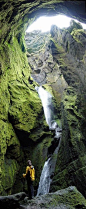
(30, 177)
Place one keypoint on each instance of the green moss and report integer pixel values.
(48, 88)
(59, 48)
(60, 55)
(77, 34)
(18, 97)
(19, 102)
(74, 26)
(59, 123)
(10, 169)
(10, 148)
(66, 198)
(21, 106)
(24, 101)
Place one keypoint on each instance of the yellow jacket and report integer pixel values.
(32, 172)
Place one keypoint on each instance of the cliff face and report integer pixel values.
(60, 63)
(22, 119)
(71, 161)
(23, 131)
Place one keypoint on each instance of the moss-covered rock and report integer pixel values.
(25, 106)
(71, 157)
(74, 25)
(21, 117)
(68, 198)
(65, 80)
(20, 107)
(71, 105)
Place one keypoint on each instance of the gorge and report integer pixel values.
(57, 63)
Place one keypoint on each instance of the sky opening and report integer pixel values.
(44, 23)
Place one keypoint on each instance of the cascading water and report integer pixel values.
(49, 166)
(44, 184)
(46, 99)
(47, 173)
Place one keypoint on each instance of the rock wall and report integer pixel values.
(19, 113)
(71, 166)
(10, 146)
(21, 116)
(62, 60)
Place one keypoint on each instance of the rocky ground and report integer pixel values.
(69, 198)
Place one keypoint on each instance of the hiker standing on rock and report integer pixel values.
(30, 176)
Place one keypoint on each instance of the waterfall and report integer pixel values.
(48, 173)
(45, 180)
(49, 166)
(46, 99)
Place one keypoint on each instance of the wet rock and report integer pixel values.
(11, 201)
(68, 198)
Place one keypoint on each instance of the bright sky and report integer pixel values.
(44, 23)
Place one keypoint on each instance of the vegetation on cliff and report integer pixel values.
(24, 133)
